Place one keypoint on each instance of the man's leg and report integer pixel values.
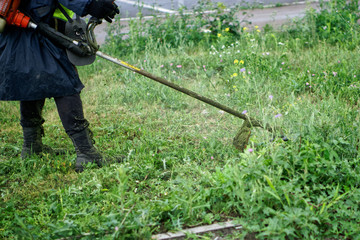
(31, 122)
(76, 126)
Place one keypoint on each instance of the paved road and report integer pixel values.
(274, 16)
(130, 8)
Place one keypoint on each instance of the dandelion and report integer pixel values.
(271, 97)
(236, 61)
(278, 115)
(219, 35)
(244, 112)
(227, 29)
(234, 75)
(234, 86)
(241, 61)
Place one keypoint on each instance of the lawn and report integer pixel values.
(181, 169)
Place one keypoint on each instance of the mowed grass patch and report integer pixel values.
(181, 169)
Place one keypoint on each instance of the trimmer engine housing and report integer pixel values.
(10, 15)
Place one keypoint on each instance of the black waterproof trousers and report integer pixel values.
(70, 110)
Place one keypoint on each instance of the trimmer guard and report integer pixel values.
(76, 30)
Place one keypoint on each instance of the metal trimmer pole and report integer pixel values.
(253, 122)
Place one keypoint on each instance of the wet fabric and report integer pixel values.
(70, 110)
(31, 113)
(31, 66)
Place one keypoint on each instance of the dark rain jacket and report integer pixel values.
(31, 66)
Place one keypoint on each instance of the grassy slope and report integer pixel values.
(181, 169)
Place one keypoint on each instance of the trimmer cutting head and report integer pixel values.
(241, 139)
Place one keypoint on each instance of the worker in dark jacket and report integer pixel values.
(33, 68)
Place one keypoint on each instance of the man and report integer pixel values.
(33, 68)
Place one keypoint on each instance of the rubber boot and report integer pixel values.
(85, 150)
(32, 141)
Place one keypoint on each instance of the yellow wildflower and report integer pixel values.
(219, 35)
(245, 28)
(235, 75)
(241, 62)
(258, 30)
(236, 61)
(256, 27)
(227, 29)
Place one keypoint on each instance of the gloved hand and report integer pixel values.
(103, 9)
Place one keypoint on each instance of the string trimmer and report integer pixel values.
(82, 47)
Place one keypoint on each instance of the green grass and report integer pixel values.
(181, 169)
